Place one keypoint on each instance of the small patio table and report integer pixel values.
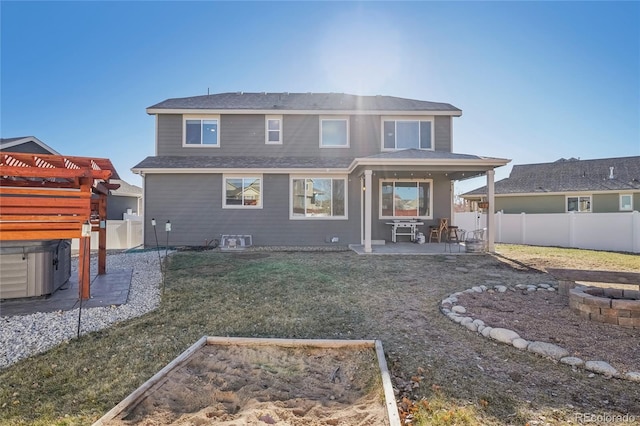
(404, 227)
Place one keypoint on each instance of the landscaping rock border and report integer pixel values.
(457, 313)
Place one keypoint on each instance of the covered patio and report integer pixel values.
(432, 174)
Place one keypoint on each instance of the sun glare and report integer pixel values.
(360, 54)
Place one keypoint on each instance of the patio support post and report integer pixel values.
(491, 233)
(367, 210)
(84, 256)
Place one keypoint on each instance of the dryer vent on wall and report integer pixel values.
(235, 242)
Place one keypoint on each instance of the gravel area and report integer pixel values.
(22, 336)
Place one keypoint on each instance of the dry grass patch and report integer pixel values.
(322, 295)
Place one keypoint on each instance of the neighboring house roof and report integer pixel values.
(572, 175)
(301, 102)
(14, 144)
(126, 189)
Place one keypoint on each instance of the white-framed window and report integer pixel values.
(318, 197)
(580, 204)
(406, 198)
(273, 130)
(405, 133)
(334, 132)
(201, 131)
(626, 202)
(242, 192)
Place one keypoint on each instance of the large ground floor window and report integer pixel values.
(319, 197)
(242, 192)
(405, 198)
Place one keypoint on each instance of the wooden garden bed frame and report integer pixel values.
(146, 388)
(46, 197)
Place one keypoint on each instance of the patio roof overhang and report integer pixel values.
(454, 166)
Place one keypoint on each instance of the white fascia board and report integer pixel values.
(323, 171)
(152, 111)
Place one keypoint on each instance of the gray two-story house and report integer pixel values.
(295, 169)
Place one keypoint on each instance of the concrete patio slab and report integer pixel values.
(427, 249)
(106, 290)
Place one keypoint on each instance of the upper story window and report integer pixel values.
(242, 192)
(405, 198)
(579, 204)
(201, 131)
(334, 132)
(273, 129)
(626, 202)
(318, 197)
(407, 133)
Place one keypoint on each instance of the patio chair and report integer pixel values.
(474, 240)
(454, 235)
(434, 232)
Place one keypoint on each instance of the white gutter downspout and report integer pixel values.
(367, 210)
(491, 233)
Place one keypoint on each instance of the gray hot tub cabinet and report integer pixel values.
(33, 268)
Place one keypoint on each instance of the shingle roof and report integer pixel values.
(205, 162)
(419, 154)
(569, 176)
(4, 141)
(13, 144)
(302, 101)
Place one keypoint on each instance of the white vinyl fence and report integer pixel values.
(121, 234)
(596, 231)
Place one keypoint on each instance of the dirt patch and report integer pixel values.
(233, 385)
(545, 316)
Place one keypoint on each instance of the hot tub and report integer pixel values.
(33, 268)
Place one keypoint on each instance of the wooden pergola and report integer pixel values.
(45, 197)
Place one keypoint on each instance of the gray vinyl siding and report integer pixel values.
(193, 204)
(442, 134)
(245, 135)
(600, 203)
(533, 204)
(187, 200)
(607, 203)
(117, 205)
(169, 135)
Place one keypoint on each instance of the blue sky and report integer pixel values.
(536, 81)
